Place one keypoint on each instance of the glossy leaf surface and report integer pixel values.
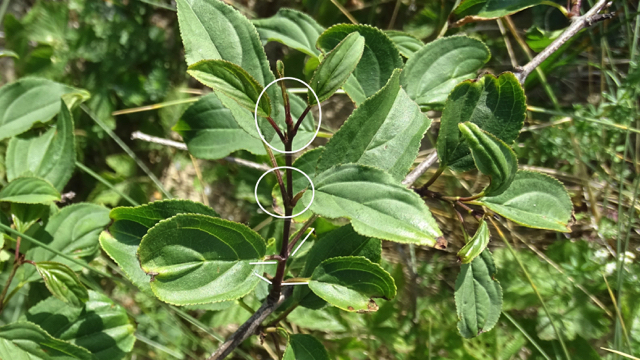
(476, 244)
(62, 282)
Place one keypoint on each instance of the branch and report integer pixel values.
(250, 326)
(421, 169)
(182, 146)
(578, 23)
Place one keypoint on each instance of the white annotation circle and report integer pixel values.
(313, 192)
(255, 115)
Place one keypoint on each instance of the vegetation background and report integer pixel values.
(581, 127)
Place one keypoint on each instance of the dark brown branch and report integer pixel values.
(299, 122)
(277, 129)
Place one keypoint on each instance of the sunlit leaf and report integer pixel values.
(62, 282)
(29, 190)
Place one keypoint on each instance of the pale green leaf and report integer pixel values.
(336, 67)
(101, 326)
(476, 244)
(30, 101)
(434, 70)
(62, 282)
(27, 341)
(29, 190)
(233, 81)
(26, 215)
(195, 259)
(385, 132)
(130, 224)
(492, 157)
(379, 59)
(474, 10)
(407, 44)
(292, 28)
(354, 90)
(351, 283)
(533, 200)
(50, 156)
(496, 104)
(211, 131)
(304, 347)
(478, 296)
(377, 205)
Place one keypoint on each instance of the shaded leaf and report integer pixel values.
(304, 347)
(377, 205)
(350, 283)
(533, 200)
(336, 67)
(473, 10)
(385, 131)
(130, 224)
(434, 70)
(212, 266)
(407, 44)
(492, 157)
(62, 282)
(295, 29)
(496, 104)
(476, 244)
(25, 340)
(29, 190)
(50, 156)
(478, 296)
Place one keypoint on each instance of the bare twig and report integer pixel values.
(345, 12)
(415, 174)
(578, 24)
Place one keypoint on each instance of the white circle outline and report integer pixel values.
(255, 114)
(313, 192)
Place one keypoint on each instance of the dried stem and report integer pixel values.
(415, 174)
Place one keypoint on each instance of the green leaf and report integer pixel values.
(306, 163)
(385, 131)
(211, 131)
(29, 190)
(30, 101)
(101, 326)
(62, 282)
(354, 90)
(304, 347)
(50, 156)
(478, 296)
(496, 104)
(533, 200)
(379, 59)
(130, 224)
(292, 28)
(350, 283)
(26, 215)
(74, 231)
(343, 241)
(336, 67)
(407, 44)
(212, 266)
(473, 10)
(492, 157)
(25, 340)
(233, 81)
(434, 70)
(538, 39)
(377, 205)
(476, 245)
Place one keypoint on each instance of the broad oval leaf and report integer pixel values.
(100, 326)
(434, 70)
(211, 131)
(407, 44)
(496, 104)
(533, 200)
(74, 231)
(50, 156)
(304, 347)
(474, 10)
(385, 132)
(351, 283)
(292, 28)
(478, 296)
(62, 282)
(212, 266)
(233, 81)
(25, 340)
(377, 205)
(492, 157)
(476, 244)
(130, 224)
(336, 67)
(379, 59)
(29, 101)
(29, 190)
(343, 241)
